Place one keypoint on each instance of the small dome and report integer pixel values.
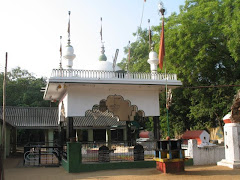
(103, 57)
(69, 49)
(101, 66)
(153, 55)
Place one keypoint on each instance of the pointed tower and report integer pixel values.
(69, 51)
(153, 60)
(102, 57)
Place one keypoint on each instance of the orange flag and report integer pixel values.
(161, 47)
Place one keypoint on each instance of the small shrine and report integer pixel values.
(232, 136)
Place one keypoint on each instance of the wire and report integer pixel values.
(141, 19)
(217, 86)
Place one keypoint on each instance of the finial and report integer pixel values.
(69, 13)
(161, 8)
(60, 64)
(103, 49)
(101, 29)
(150, 35)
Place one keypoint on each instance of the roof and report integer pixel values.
(47, 117)
(31, 117)
(192, 134)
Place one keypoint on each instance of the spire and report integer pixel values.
(69, 41)
(101, 30)
(150, 35)
(69, 53)
(60, 63)
(102, 57)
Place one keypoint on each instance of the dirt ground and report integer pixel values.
(15, 171)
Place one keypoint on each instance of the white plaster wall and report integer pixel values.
(205, 155)
(206, 135)
(82, 98)
(232, 141)
(65, 102)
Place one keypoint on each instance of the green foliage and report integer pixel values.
(202, 46)
(23, 89)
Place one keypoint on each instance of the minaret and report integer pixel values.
(69, 51)
(153, 61)
(102, 57)
(153, 57)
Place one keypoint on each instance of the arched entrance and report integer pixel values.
(114, 119)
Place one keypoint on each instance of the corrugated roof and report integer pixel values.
(47, 117)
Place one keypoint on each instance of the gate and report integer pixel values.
(41, 155)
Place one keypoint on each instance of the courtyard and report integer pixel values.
(14, 170)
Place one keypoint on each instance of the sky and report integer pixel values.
(31, 29)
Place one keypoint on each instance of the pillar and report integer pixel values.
(128, 128)
(90, 134)
(232, 146)
(79, 135)
(108, 138)
(156, 128)
(70, 131)
(46, 137)
(125, 134)
(50, 137)
(14, 139)
(60, 134)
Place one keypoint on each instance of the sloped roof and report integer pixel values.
(192, 134)
(47, 117)
(26, 117)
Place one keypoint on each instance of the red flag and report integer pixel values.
(161, 47)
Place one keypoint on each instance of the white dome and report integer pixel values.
(153, 55)
(100, 65)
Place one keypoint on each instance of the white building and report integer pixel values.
(101, 89)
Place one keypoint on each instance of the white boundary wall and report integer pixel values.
(205, 155)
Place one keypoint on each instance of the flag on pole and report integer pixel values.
(161, 47)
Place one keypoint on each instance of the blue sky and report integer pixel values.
(30, 29)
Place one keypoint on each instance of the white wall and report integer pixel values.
(82, 98)
(205, 155)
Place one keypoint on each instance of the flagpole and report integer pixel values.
(161, 59)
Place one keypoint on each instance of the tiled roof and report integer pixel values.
(47, 117)
(27, 117)
(192, 134)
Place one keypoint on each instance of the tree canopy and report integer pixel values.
(202, 45)
(23, 89)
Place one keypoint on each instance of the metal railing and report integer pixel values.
(39, 154)
(116, 151)
(97, 74)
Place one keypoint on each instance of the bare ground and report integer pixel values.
(15, 171)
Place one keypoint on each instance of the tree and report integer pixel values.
(23, 89)
(201, 49)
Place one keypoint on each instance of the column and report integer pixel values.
(50, 137)
(79, 135)
(156, 128)
(128, 128)
(108, 138)
(70, 131)
(125, 134)
(90, 134)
